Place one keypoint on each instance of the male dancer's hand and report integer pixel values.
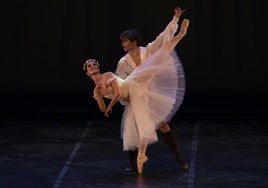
(178, 12)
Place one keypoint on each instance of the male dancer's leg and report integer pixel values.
(170, 140)
(132, 161)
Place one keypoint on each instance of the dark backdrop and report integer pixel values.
(44, 44)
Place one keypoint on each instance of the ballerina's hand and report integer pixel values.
(107, 112)
(126, 99)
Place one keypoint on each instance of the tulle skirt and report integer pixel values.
(156, 90)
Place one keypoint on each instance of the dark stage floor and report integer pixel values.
(71, 151)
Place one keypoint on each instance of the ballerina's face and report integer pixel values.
(92, 67)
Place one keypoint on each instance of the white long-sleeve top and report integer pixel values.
(126, 64)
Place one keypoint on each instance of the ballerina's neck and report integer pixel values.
(96, 78)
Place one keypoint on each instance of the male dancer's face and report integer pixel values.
(128, 45)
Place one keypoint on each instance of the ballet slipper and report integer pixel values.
(140, 162)
(184, 27)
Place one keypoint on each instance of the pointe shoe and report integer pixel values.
(184, 26)
(140, 161)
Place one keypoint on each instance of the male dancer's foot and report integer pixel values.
(185, 168)
(131, 168)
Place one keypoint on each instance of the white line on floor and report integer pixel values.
(193, 156)
(72, 156)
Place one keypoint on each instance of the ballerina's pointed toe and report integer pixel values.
(140, 162)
